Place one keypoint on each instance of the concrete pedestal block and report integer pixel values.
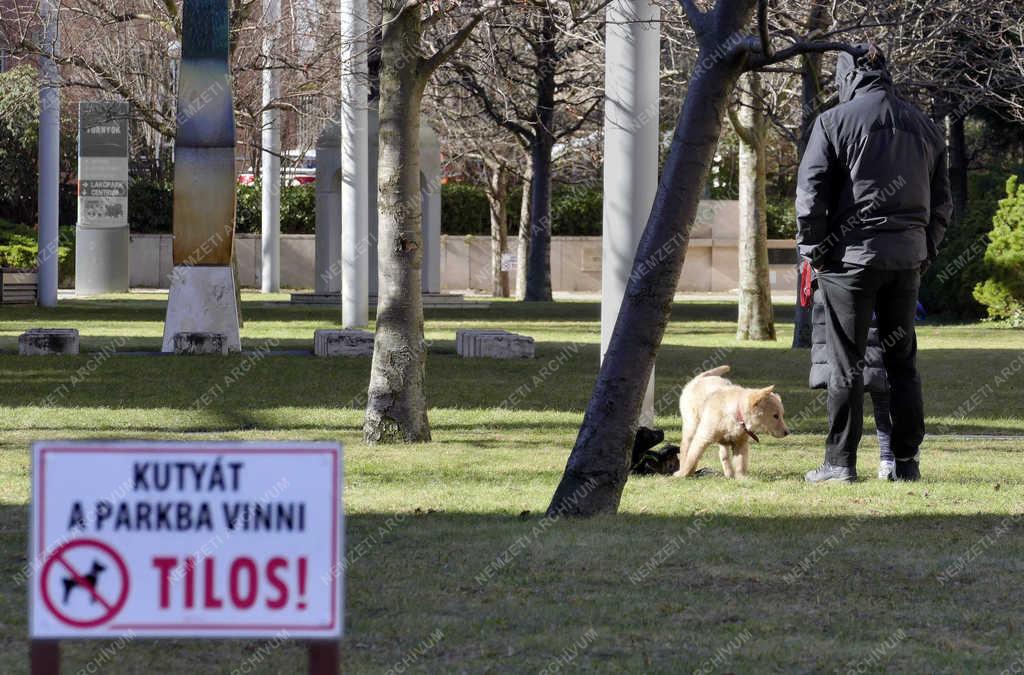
(493, 344)
(202, 300)
(200, 343)
(102, 260)
(346, 342)
(48, 341)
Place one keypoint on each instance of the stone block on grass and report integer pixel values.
(48, 342)
(345, 342)
(493, 344)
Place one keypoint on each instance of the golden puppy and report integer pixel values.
(714, 410)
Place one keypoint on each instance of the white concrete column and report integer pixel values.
(328, 212)
(430, 202)
(632, 61)
(270, 179)
(355, 241)
(49, 156)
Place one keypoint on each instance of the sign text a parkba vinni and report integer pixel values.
(186, 540)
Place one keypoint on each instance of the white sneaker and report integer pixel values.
(886, 468)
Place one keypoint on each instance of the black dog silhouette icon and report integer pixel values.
(91, 579)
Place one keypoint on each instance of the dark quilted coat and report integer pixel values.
(874, 371)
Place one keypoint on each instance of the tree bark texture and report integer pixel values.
(523, 241)
(497, 196)
(538, 273)
(396, 408)
(755, 320)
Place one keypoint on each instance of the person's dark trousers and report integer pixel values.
(852, 293)
(883, 426)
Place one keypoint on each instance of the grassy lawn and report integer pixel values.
(451, 566)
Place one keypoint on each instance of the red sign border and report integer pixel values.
(333, 449)
(57, 553)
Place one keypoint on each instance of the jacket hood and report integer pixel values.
(865, 70)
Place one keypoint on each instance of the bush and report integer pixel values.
(1002, 292)
(575, 210)
(298, 209)
(247, 209)
(464, 209)
(781, 216)
(948, 286)
(19, 247)
(19, 138)
(150, 206)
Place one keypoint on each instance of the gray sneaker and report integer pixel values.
(828, 473)
(886, 469)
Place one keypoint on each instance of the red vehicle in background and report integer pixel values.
(297, 168)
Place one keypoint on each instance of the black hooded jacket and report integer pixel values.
(873, 188)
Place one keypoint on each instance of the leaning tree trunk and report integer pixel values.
(523, 241)
(755, 320)
(497, 201)
(396, 409)
(599, 463)
(538, 271)
(811, 91)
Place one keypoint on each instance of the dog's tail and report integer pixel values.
(720, 370)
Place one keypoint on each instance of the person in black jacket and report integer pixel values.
(876, 384)
(872, 206)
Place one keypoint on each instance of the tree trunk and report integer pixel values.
(396, 409)
(538, 274)
(497, 201)
(957, 165)
(811, 106)
(523, 247)
(755, 320)
(599, 463)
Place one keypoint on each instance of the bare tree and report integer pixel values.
(755, 319)
(531, 73)
(396, 408)
(489, 156)
(130, 51)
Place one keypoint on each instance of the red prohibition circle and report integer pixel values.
(112, 609)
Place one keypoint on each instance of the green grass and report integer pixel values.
(794, 578)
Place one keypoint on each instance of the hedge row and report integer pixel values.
(575, 211)
(464, 209)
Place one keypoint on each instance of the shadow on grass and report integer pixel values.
(960, 387)
(510, 592)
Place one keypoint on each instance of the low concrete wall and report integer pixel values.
(711, 264)
(151, 260)
(712, 260)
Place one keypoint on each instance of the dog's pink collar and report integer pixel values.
(743, 425)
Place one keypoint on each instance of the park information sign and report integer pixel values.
(186, 540)
(102, 164)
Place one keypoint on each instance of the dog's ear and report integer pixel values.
(761, 394)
